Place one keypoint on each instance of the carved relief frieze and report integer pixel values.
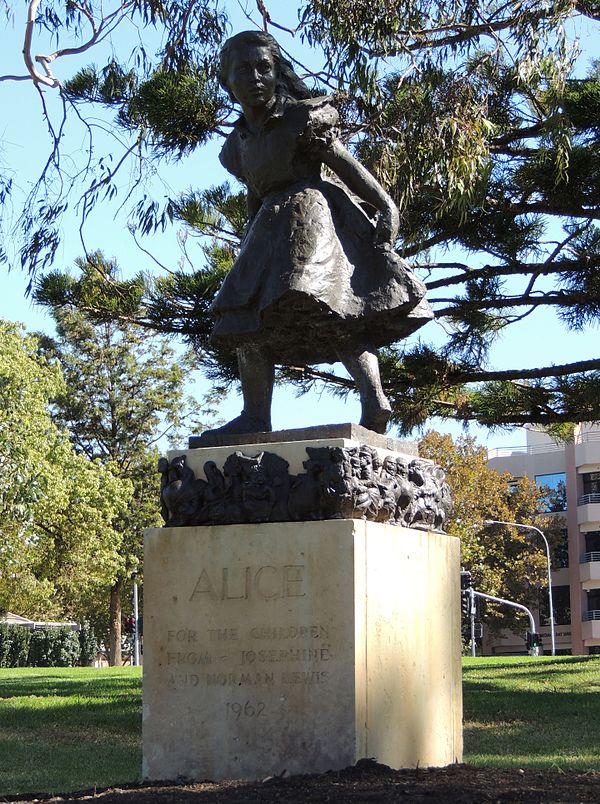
(338, 483)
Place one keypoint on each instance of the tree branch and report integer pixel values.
(588, 10)
(489, 271)
(37, 77)
(563, 370)
(546, 208)
(516, 134)
(312, 373)
(560, 298)
(15, 78)
(458, 33)
(98, 33)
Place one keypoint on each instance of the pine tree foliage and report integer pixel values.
(480, 119)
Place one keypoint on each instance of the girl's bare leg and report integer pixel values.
(257, 373)
(364, 369)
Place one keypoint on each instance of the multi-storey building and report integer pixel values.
(573, 468)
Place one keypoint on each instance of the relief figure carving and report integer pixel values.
(338, 483)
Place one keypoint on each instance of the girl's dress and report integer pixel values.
(309, 285)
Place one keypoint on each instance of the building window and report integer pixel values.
(513, 484)
(554, 488)
(591, 483)
(560, 559)
(561, 603)
(592, 541)
(593, 600)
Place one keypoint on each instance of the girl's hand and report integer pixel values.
(386, 229)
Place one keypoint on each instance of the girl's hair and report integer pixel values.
(289, 85)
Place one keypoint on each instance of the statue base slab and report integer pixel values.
(328, 433)
(299, 647)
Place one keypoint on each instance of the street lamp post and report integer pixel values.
(537, 530)
(136, 627)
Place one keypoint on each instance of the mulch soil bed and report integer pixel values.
(366, 782)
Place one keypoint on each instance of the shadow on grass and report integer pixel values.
(538, 680)
(67, 732)
(58, 761)
(48, 700)
(531, 727)
(48, 684)
(532, 664)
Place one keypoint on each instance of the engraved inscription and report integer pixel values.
(180, 680)
(267, 582)
(182, 635)
(248, 656)
(188, 657)
(223, 634)
(290, 632)
(304, 677)
(240, 679)
(177, 681)
(287, 655)
(235, 711)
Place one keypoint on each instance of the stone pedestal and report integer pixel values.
(299, 646)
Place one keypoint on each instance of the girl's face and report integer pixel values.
(252, 76)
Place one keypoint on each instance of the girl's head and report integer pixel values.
(287, 83)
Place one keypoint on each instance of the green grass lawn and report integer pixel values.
(73, 729)
(65, 729)
(530, 712)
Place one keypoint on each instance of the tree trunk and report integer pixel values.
(114, 650)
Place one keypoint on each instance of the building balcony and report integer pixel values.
(589, 570)
(590, 627)
(587, 448)
(588, 508)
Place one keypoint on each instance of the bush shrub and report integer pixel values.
(5, 643)
(88, 645)
(54, 647)
(44, 647)
(19, 648)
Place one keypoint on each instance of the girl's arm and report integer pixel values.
(360, 181)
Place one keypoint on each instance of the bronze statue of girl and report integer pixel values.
(316, 279)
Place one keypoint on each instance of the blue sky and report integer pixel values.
(538, 340)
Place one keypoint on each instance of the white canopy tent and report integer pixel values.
(15, 619)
